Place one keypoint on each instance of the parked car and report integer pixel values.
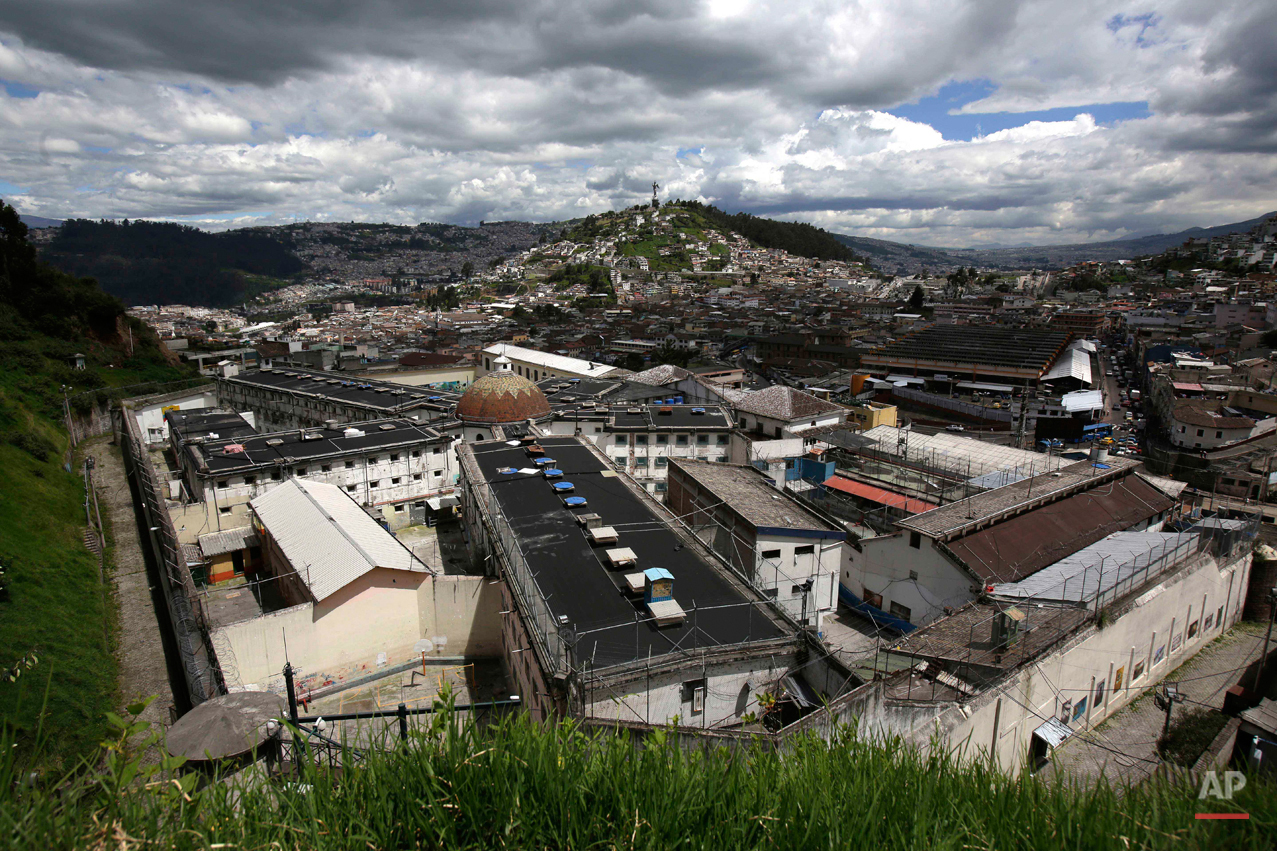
(954, 427)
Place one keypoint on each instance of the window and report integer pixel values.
(326, 468)
(350, 465)
(805, 551)
(702, 440)
(350, 488)
(662, 439)
(661, 487)
(438, 474)
(372, 460)
(622, 440)
(374, 483)
(416, 453)
(438, 450)
(640, 462)
(416, 477)
(225, 509)
(640, 440)
(221, 485)
(871, 598)
(394, 456)
(598, 429)
(1219, 434)
(275, 475)
(1199, 434)
(771, 554)
(795, 590)
(619, 460)
(778, 431)
(722, 440)
(662, 461)
(395, 480)
(301, 471)
(721, 459)
(915, 540)
(680, 440)
(250, 480)
(902, 612)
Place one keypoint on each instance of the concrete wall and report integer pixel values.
(460, 375)
(384, 611)
(1089, 664)
(884, 566)
(150, 416)
(731, 690)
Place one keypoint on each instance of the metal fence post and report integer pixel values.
(402, 712)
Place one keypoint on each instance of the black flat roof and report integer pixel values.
(571, 573)
(366, 392)
(261, 450)
(679, 416)
(197, 423)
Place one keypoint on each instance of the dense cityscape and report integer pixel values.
(729, 426)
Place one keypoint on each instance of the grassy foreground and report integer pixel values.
(521, 785)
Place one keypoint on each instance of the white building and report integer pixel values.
(534, 365)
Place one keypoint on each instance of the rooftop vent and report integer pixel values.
(665, 410)
(387, 427)
(352, 432)
(275, 441)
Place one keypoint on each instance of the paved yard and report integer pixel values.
(1124, 747)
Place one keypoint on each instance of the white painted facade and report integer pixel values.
(1150, 639)
(382, 612)
(150, 416)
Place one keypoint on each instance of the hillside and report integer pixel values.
(692, 235)
(53, 607)
(164, 263)
(900, 258)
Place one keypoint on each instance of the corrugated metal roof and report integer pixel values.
(878, 495)
(1024, 544)
(329, 540)
(1054, 732)
(228, 541)
(1075, 362)
(1101, 567)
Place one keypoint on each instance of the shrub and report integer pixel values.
(35, 445)
(1190, 734)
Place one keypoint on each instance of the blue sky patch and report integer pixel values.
(938, 111)
(18, 90)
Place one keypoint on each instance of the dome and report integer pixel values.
(502, 397)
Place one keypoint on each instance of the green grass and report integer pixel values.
(56, 607)
(525, 785)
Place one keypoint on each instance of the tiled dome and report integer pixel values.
(502, 397)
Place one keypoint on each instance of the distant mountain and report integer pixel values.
(897, 257)
(39, 222)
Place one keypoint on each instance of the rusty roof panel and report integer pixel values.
(1022, 545)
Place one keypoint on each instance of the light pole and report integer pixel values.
(1263, 659)
(1166, 699)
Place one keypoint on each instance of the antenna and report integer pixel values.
(284, 633)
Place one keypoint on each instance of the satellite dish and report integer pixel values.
(425, 645)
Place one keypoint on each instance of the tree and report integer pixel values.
(918, 298)
(467, 269)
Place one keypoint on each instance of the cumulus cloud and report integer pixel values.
(404, 110)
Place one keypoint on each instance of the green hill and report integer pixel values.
(52, 604)
(666, 246)
(164, 263)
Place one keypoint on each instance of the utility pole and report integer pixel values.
(1166, 699)
(1263, 659)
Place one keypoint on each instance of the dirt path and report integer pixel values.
(139, 644)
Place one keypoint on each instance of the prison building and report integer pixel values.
(299, 398)
(397, 468)
(776, 544)
(535, 365)
(612, 610)
(641, 440)
(964, 352)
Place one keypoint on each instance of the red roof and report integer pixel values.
(1186, 386)
(878, 495)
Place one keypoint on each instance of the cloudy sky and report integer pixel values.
(947, 123)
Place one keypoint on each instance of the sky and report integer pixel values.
(936, 122)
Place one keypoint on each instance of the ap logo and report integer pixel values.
(1234, 781)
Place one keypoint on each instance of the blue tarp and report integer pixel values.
(878, 616)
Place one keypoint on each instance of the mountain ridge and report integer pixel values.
(897, 256)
